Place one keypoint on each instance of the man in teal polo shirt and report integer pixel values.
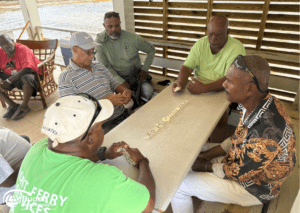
(119, 53)
(210, 57)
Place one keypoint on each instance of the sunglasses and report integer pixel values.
(110, 14)
(241, 65)
(88, 52)
(97, 111)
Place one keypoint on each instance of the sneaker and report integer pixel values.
(20, 113)
(11, 111)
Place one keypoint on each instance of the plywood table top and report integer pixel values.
(173, 148)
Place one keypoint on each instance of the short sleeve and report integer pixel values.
(5, 169)
(26, 58)
(238, 50)
(192, 59)
(112, 80)
(64, 85)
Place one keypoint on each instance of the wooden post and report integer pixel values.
(125, 9)
(209, 13)
(262, 24)
(30, 13)
(165, 32)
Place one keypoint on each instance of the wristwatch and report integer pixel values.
(100, 153)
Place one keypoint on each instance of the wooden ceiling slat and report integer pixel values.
(187, 13)
(242, 32)
(144, 24)
(148, 11)
(281, 45)
(185, 35)
(182, 55)
(284, 71)
(146, 4)
(283, 27)
(186, 28)
(148, 18)
(155, 32)
(187, 5)
(284, 8)
(283, 36)
(244, 24)
(293, 64)
(288, 95)
(244, 7)
(238, 15)
(187, 20)
(283, 17)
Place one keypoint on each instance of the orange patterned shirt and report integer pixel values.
(263, 150)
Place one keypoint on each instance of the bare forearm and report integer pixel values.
(215, 86)
(184, 75)
(120, 88)
(11, 180)
(213, 153)
(20, 73)
(145, 177)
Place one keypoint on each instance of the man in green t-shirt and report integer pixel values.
(60, 174)
(210, 58)
(119, 53)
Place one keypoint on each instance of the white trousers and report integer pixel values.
(207, 186)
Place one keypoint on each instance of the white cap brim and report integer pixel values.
(106, 112)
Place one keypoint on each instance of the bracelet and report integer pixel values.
(140, 160)
(206, 166)
(8, 81)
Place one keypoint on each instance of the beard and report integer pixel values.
(114, 35)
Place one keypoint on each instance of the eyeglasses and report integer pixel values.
(97, 111)
(88, 52)
(241, 64)
(110, 14)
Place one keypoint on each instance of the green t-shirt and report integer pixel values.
(208, 67)
(62, 183)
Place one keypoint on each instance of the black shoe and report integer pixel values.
(11, 111)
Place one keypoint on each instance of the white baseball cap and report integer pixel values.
(83, 40)
(69, 117)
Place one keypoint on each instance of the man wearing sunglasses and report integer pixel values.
(249, 167)
(83, 75)
(60, 174)
(210, 58)
(17, 67)
(119, 53)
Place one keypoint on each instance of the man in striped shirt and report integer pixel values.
(85, 76)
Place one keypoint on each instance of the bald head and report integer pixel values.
(217, 33)
(220, 22)
(260, 68)
(7, 44)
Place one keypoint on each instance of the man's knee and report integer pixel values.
(147, 90)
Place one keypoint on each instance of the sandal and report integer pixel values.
(11, 111)
(20, 113)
